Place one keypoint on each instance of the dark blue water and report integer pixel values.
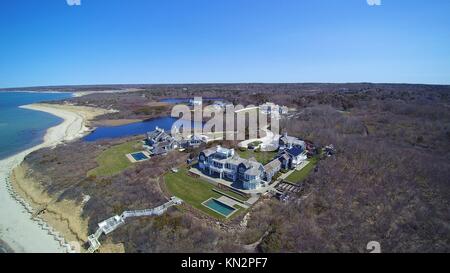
(21, 129)
(186, 100)
(175, 100)
(134, 129)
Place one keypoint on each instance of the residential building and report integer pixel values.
(159, 142)
(271, 169)
(291, 158)
(249, 174)
(226, 164)
(193, 141)
(288, 142)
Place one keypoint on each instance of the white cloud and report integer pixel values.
(374, 2)
(73, 2)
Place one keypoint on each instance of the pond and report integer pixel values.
(186, 100)
(133, 129)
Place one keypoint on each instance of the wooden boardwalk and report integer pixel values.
(111, 224)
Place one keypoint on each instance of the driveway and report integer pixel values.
(269, 142)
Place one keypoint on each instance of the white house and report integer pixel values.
(288, 142)
(226, 164)
(291, 158)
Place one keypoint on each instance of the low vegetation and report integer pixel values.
(388, 181)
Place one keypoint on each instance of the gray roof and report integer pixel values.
(253, 171)
(236, 160)
(272, 166)
(210, 151)
(163, 143)
(158, 135)
(290, 139)
(253, 167)
(158, 151)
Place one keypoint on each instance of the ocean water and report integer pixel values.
(21, 129)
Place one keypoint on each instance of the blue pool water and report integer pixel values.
(139, 156)
(21, 129)
(219, 207)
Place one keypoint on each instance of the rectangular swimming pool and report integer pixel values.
(219, 207)
(140, 156)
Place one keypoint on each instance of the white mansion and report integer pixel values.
(226, 164)
(250, 174)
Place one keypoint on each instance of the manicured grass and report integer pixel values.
(114, 160)
(262, 157)
(193, 191)
(299, 176)
(233, 194)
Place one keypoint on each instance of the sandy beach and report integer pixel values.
(17, 229)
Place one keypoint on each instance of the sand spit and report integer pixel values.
(18, 228)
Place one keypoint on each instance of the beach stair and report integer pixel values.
(115, 222)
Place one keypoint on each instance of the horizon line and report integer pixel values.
(214, 83)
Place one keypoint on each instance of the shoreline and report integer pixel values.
(76, 94)
(76, 121)
(41, 92)
(17, 229)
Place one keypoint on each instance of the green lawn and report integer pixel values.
(114, 160)
(262, 157)
(232, 194)
(299, 176)
(193, 191)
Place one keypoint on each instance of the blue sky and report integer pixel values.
(48, 42)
